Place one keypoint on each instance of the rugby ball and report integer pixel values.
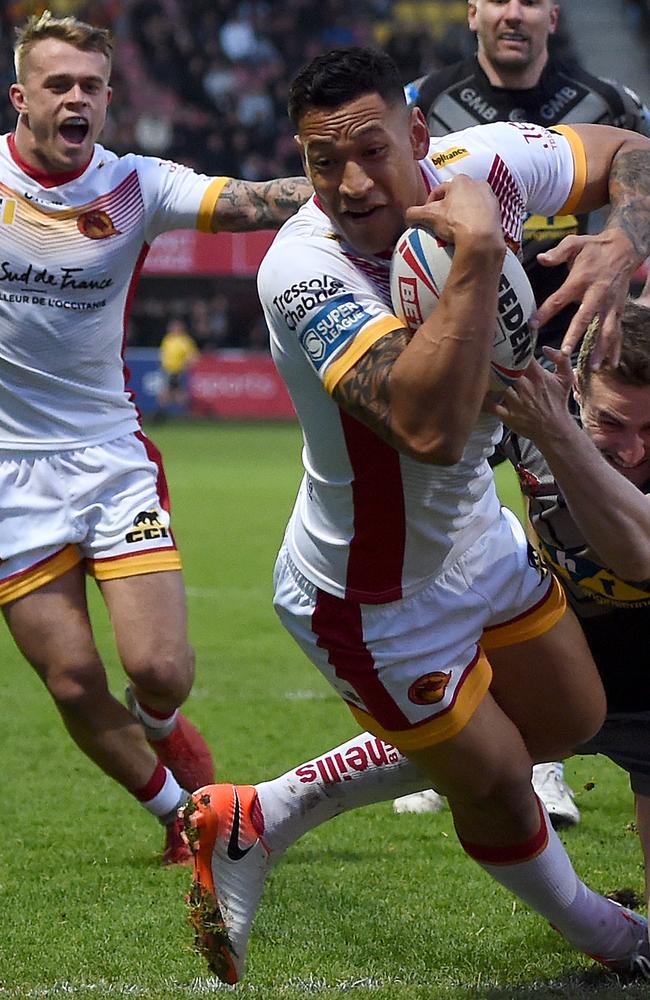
(419, 268)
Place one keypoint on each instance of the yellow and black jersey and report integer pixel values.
(460, 95)
(614, 613)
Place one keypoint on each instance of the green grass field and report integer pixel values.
(373, 904)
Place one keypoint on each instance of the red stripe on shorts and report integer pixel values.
(339, 628)
(153, 454)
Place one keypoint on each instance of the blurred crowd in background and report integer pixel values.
(204, 82)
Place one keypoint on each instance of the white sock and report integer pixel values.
(162, 795)
(546, 880)
(360, 772)
(157, 726)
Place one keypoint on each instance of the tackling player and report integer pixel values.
(82, 490)
(401, 576)
(514, 77)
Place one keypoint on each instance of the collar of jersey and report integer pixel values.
(43, 178)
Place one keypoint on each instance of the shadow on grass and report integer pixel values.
(593, 984)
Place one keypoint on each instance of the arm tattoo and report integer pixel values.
(247, 205)
(629, 193)
(364, 390)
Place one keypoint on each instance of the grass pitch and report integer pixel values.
(372, 904)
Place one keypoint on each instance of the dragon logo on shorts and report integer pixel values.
(430, 688)
(96, 225)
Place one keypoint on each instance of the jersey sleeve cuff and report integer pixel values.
(361, 343)
(579, 171)
(209, 202)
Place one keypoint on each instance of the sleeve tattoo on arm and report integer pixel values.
(245, 205)
(364, 390)
(629, 191)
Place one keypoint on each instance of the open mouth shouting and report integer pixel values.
(74, 130)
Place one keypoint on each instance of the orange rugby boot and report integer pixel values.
(224, 826)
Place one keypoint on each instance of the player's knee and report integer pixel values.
(509, 787)
(79, 689)
(166, 674)
(505, 782)
(591, 720)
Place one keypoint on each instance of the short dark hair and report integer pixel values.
(634, 364)
(342, 75)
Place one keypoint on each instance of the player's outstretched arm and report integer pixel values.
(612, 513)
(248, 205)
(618, 173)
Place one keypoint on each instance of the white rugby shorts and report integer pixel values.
(413, 671)
(106, 504)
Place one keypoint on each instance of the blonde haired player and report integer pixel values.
(82, 490)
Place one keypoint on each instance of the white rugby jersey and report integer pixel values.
(370, 523)
(71, 250)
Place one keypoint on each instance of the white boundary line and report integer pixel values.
(199, 987)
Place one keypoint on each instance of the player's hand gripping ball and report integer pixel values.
(419, 269)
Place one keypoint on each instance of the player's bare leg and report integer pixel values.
(503, 826)
(52, 629)
(149, 619)
(550, 688)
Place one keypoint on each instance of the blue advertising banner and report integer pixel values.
(146, 377)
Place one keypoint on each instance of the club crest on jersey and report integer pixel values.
(430, 688)
(96, 225)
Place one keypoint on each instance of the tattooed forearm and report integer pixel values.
(629, 193)
(247, 205)
(364, 390)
